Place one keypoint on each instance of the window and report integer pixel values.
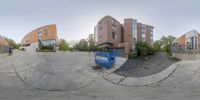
(100, 28)
(134, 42)
(113, 21)
(151, 29)
(135, 30)
(143, 37)
(151, 36)
(114, 36)
(100, 22)
(143, 28)
(143, 32)
(151, 42)
(46, 32)
(114, 28)
(40, 34)
(48, 42)
(100, 36)
(195, 42)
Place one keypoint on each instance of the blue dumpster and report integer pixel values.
(105, 59)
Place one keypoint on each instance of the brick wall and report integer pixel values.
(48, 32)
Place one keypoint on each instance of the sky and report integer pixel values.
(75, 19)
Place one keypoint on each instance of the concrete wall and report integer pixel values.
(32, 47)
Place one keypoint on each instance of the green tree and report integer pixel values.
(166, 43)
(91, 47)
(150, 50)
(12, 43)
(167, 49)
(157, 46)
(132, 54)
(64, 46)
(142, 48)
(91, 43)
(18, 45)
(82, 45)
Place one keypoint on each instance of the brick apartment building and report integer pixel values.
(189, 41)
(122, 38)
(48, 32)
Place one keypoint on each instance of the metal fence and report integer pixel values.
(190, 49)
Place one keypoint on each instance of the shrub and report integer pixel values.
(71, 49)
(64, 46)
(12, 43)
(98, 49)
(142, 48)
(157, 46)
(131, 55)
(82, 45)
(167, 49)
(150, 51)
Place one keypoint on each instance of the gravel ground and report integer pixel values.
(140, 67)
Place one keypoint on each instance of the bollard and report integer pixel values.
(105, 59)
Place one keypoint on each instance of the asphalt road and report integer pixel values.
(69, 76)
(140, 67)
